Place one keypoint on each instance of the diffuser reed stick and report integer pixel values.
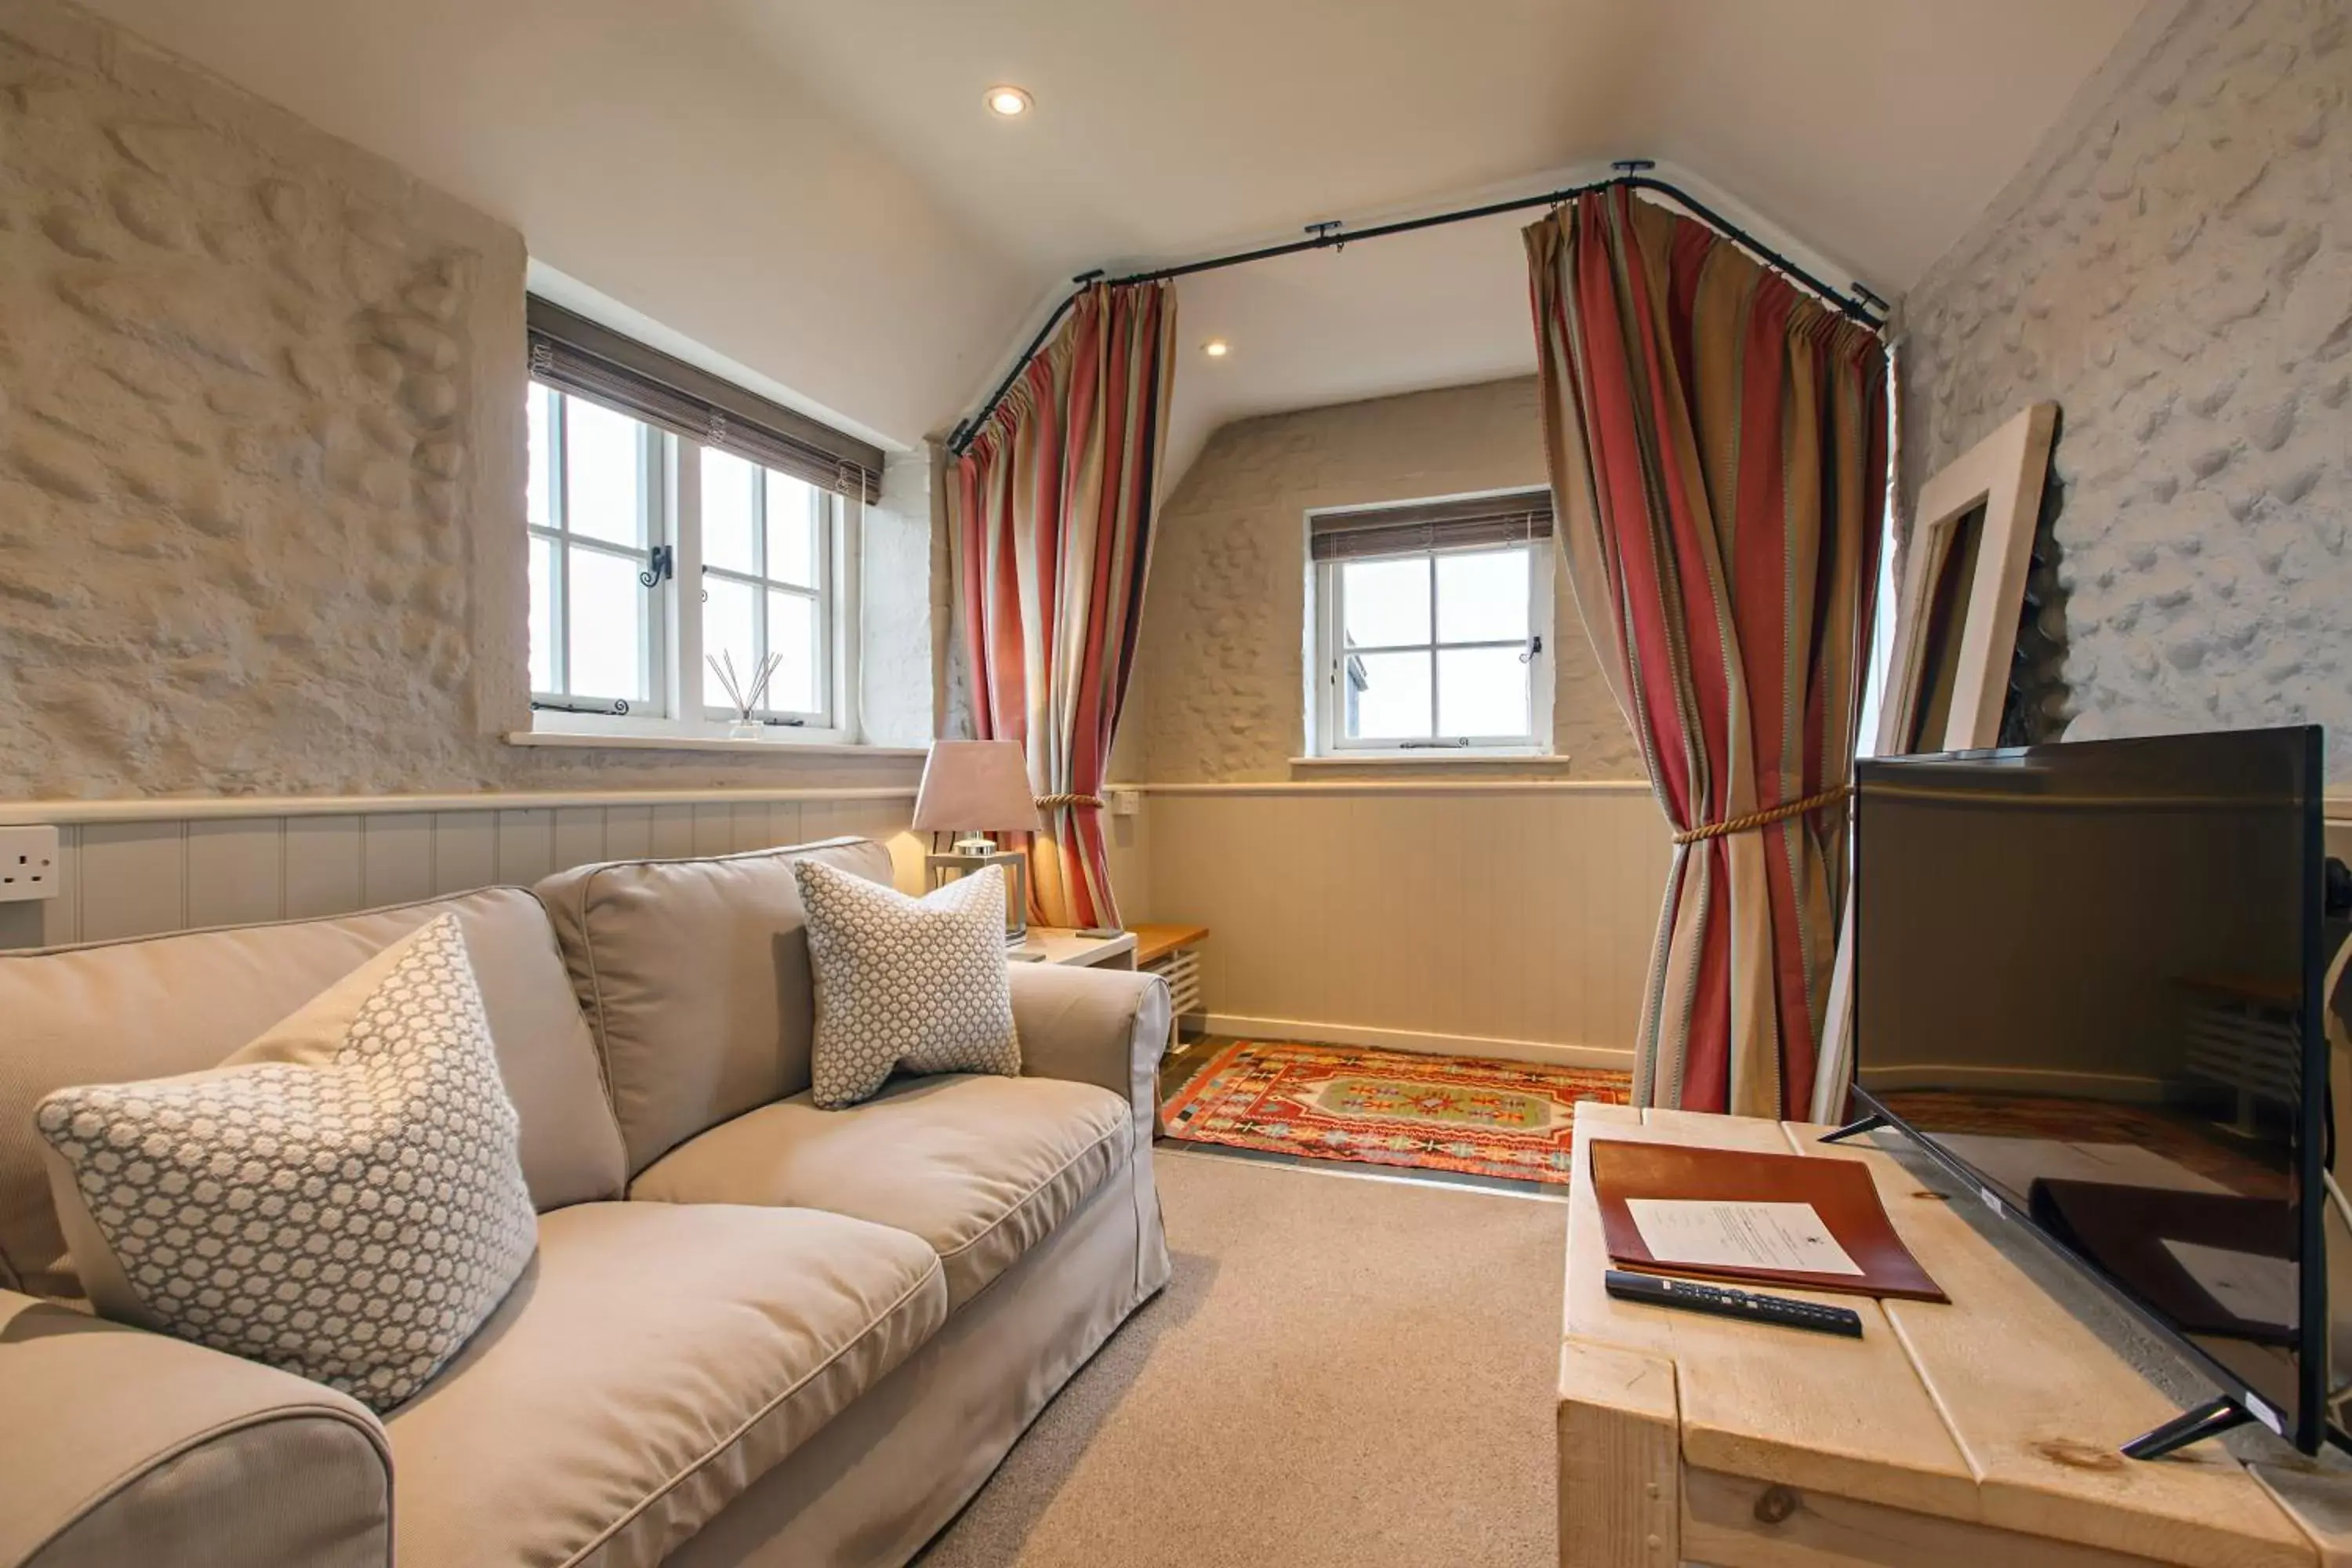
(746, 701)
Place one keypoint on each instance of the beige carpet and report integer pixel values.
(1344, 1374)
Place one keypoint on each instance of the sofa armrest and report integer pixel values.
(1107, 1026)
(123, 1447)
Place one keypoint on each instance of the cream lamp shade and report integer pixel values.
(976, 786)
(973, 788)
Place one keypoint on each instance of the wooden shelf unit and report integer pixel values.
(1173, 952)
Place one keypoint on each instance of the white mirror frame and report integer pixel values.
(2003, 474)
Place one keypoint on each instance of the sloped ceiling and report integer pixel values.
(1875, 129)
(814, 188)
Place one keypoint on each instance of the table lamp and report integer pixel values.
(971, 789)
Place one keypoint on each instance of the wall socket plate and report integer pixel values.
(28, 863)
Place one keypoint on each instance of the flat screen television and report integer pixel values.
(2088, 980)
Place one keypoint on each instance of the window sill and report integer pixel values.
(780, 746)
(1542, 763)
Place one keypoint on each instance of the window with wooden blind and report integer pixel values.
(674, 519)
(1432, 620)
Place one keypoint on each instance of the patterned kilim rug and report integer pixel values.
(1467, 1114)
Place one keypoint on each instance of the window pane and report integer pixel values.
(1482, 597)
(728, 632)
(538, 412)
(542, 614)
(728, 515)
(1386, 695)
(1481, 691)
(792, 631)
(608, 625)
(601, 457)
(793, 511)
(1386, 601)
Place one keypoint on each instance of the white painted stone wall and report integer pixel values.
(896, 657)
(1219, 686)
(261, 453)
(2174, 269)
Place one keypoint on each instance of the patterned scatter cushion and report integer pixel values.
(342, 1198)
(904, 984)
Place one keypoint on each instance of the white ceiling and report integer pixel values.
(1441, 307)
(1875, 127)
(813, 189)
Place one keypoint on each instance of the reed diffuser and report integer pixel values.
(746, 699)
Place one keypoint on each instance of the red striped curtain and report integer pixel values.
(1050, 521)
(1718, 444)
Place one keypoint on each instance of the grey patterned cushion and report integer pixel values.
(342, 1198)
(904, 984)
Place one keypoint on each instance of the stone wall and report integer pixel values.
(261, 453)
(1219, 690)
(2174, 267)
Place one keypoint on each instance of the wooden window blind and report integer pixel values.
(570, 352)
(1468, 523)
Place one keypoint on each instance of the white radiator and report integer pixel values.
(1181, 970)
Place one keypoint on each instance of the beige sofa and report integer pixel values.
(754, 1332)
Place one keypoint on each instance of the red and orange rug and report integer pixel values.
(1465, 1114)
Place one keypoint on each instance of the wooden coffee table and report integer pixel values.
(1980, 1433)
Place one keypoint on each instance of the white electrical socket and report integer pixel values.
(28, 863)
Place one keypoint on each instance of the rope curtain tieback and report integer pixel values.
(1048, 802)
(1752, 820)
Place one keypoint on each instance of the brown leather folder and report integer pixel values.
(1840, 1191)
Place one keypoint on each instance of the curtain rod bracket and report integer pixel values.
(1869, 297)
(1634, 166)
(1092, 274)
(1327, 232)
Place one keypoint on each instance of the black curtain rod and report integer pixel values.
(1859, 304)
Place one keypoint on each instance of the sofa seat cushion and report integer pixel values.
(652, 1363)
(980, 1167)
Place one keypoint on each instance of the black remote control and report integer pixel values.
(1721, 1299)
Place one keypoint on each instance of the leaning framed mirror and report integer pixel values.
(1970, 548)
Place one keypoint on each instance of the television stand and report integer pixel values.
(2209, 1419)
(1948, 1436)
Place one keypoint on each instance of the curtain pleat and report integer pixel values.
(1050, 521)
(1717, 449)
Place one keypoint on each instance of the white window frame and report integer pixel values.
(1328, 617)
(558, 532)
(761, 583)
(672, 650)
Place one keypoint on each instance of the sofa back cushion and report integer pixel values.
(694, 975)
(152, 1006)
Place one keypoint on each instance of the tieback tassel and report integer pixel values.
(1750, 821)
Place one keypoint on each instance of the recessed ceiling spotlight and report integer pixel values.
(1216, 348)
(1011, 102)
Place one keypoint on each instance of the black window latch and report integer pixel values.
(661, 564)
